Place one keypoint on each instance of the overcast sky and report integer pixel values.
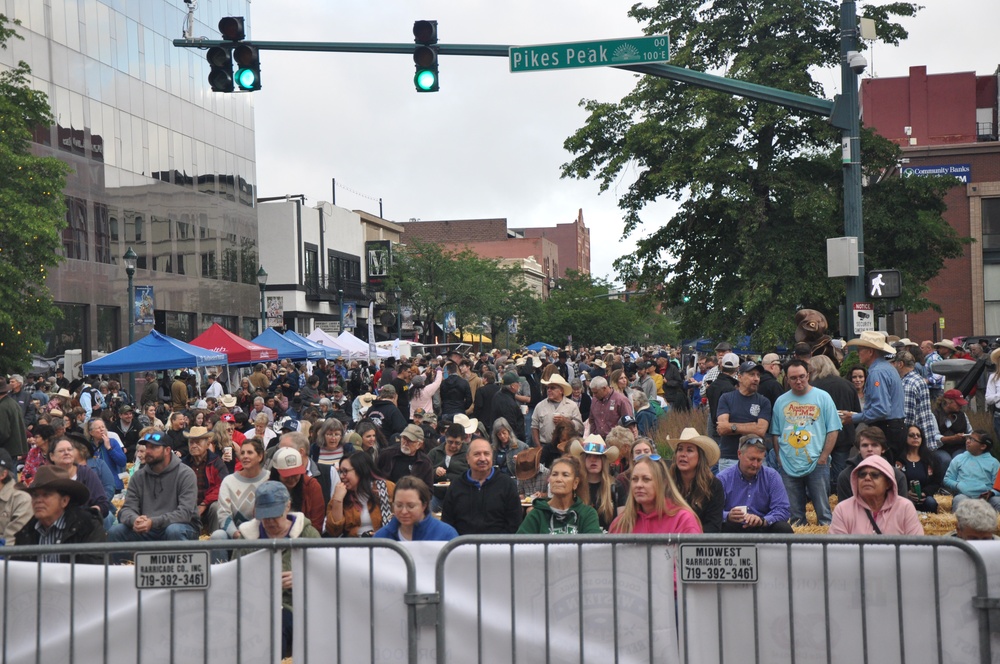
(489, 144)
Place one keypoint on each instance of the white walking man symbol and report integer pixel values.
(877, 284)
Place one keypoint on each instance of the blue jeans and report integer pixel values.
(175, 531)
(817, 484)
(959, 497)
(944, 457)
(726, 463)
(838, 461)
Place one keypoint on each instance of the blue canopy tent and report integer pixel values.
(287, 347)
(741, 347)
(155, 352)
(541, 345)
(328, 352)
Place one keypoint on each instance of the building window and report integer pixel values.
(991, 225)
(108, 329)
(69, 331)
(75, 233)
(102, 234)
(991, 263)
(230, 265)
(209, 270)
(312, 266)
(231, 323)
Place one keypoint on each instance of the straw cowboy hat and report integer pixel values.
(594, 444)
(600, 363)
(557, 379)
(535, 362)
(197, 432)
(707, 446)
(873, 340)
(227, 400)
(946, 343)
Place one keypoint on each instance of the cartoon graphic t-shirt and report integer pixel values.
(801, 424)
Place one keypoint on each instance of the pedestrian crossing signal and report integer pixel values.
(884, 284)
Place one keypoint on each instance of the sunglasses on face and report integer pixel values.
(873, 474)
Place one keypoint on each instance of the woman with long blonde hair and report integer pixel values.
(654, 504)
(596, 458)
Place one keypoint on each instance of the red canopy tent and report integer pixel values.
(239, 350)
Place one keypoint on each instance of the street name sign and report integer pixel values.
(606, 53)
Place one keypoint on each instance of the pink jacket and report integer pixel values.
(683, 521)
(898, 516)
(427, 393)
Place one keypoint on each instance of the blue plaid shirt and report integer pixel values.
(917, 408)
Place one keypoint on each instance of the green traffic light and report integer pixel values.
(426, 80)
(246, 78)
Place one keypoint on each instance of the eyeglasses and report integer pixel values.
(344, 471)
(651, 457)
(873, 474)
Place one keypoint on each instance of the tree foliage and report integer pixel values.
(760, 187)
(581, 307)
(436, 280)
(32, 215)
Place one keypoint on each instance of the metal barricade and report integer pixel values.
(638, 598)
(84, 613)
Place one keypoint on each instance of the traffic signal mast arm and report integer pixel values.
(792, 100)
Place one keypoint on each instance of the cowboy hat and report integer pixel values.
(600, 363)
(707, 446)
(469, 424)
(535, 362)
(197, 432)
(64, 393)
(526, 463)
(946, 343)
(557, 379)
(594, 444)
(607, 348)
(873, 340)
(227, 400)
(56, 478)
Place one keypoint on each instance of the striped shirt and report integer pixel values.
(51, 535)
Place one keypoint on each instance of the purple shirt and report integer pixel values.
(764, 495)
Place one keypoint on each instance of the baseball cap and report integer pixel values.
(730, 361)
(413, 432)
(510, 378)
(5, 459)
(626, 421)
(156, 438)
(271, 499)
(125, 409)
(750, 365)
(386, 391)
(287, 461)
(770, 358)
(227, 417)
(956, 396)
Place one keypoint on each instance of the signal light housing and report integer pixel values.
(248, 67)
(220, 60)
(232, 28)
(425, 56)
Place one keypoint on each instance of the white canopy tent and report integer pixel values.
(352, 347)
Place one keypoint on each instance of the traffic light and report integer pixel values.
(220, 59)
(425, 56)
(248, 67)
(221, 75)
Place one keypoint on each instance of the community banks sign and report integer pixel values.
(961, 171)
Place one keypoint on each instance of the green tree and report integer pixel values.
(760, 189)
(32, 215)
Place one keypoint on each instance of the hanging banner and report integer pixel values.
(449, 322)
(511, 326)
(406, 312)
(349, 315)
(275, 310)
(372, 349)
(144, 305)
(378, 258)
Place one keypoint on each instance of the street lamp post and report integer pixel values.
(340, 307)
(262, 284)
(129, 259)
(399, 313)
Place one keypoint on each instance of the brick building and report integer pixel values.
(552, 248)
(947, 124)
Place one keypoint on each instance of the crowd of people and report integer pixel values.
(436, 447)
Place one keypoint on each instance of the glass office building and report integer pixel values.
(160, 163)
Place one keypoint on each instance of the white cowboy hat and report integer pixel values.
(557, 379)
(946, 343)
(873, 340)
(470, 424)
(594, 444)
